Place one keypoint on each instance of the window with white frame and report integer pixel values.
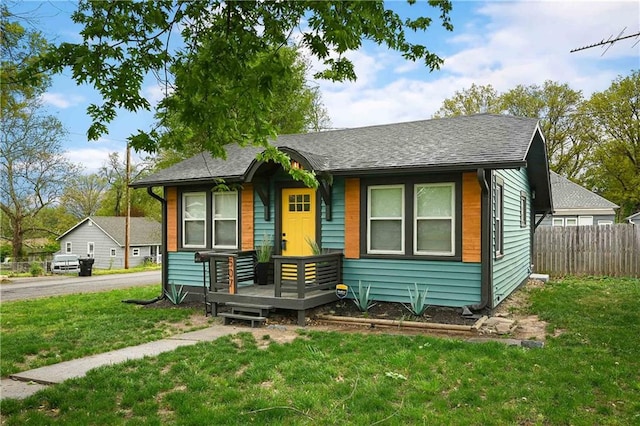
(499, 218)
(135, 252)
(434, 219)
(557, 221)
(225, 219)
(585, 220)
(385, 219)
(68, 247)
(90, 249)
(194, 224)
(523, 209)
(605, 223)
(112, 252)
(571, 221)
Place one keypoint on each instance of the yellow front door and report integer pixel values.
(298, 221)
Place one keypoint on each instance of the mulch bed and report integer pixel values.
(347, 308)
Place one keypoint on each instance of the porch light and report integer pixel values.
(295, 165)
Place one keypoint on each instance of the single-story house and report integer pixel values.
(633, 219)
(575, 205)
(103, 239)
(447, 204)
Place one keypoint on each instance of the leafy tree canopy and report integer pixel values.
(222, 75)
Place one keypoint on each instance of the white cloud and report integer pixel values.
(504, 44)
(62, 100)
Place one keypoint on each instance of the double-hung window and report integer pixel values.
(225, 220)
(385, 221)
(434, 219)
(194, 223)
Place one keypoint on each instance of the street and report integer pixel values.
(38, 287)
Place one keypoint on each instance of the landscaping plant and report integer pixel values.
(174, 294)
(362, 299)
(418, 302)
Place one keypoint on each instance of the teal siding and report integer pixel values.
(449, 283)
(261, 226)
(184, 271)
(333, 231)
(514, 267)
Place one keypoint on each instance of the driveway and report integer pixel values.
(34, 288)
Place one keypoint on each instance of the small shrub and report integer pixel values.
(175, 295)
(419, 302)
(36, 269)
(362, 300)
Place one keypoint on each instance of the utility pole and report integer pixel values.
(127, 224)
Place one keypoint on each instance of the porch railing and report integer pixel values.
(303, 274)
(228, 270)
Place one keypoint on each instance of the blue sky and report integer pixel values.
(499, 43)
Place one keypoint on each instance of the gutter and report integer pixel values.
(485, 243)
(163, 246)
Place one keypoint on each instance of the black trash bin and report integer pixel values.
(86, 266)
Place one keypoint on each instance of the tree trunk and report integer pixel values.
(17, 240)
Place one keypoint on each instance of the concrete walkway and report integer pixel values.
(25, 384)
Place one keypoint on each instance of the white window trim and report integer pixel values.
(605, 223)
(68, 247)
(215, 219)
(452, 218)
(91, 249)
(401, 218)
(557, 219)
(185, 219)
(571, 221)
(113, 252)
(499, 219)
(585, 217)
(135, 252)
(523, 209)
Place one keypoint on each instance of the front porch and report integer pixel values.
(296, 283)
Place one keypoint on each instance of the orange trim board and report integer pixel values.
(352, 218)
(246, 208)
(471, 218)
(171, 195)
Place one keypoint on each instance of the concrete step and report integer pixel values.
(249, 308)
(253, 319)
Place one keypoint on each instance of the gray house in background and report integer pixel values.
(575, 205)
(633, 219)
(103, 238)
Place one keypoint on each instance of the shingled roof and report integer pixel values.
(461, 143)
(144, 231)
(570, 195)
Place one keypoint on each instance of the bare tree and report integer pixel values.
(34, 169)
(83, 195)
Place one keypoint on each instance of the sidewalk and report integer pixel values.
(27, 383)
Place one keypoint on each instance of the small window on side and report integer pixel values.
(112, 252)
(135, 252)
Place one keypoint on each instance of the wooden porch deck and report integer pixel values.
(298, 284)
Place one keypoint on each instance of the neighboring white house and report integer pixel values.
(633, 219)
(575, 205)
(102, 238)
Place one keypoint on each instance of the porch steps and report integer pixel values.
(246, 312)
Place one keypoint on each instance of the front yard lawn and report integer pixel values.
(46, 331)
(588, 374)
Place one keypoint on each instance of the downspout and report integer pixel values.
(485, 243)
(165, 264)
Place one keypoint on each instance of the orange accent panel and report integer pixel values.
(352, 218)
(172, 218)
(471, 214)
(246, 206)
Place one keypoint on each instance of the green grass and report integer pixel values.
(46, 331)
(94, 271)
(589, 374)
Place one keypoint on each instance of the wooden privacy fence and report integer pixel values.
(588, 250)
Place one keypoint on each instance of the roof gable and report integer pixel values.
(144, 231)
